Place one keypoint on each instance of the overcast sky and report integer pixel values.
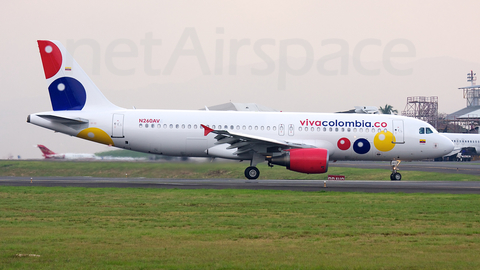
(316, 56)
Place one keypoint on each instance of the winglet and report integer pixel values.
(207, 130)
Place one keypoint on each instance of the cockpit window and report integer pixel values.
(426, 130)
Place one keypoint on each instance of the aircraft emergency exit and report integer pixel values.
(302, 142)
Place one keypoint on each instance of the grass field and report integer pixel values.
(108, 228)
(183, 170)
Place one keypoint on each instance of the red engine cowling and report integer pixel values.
(304, 160)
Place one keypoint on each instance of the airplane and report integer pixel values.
(302, 142)
(49, 154)
(462, 141)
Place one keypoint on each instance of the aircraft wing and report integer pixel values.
(455, 151)
(245, 142)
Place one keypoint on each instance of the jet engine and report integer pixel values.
(304, 160)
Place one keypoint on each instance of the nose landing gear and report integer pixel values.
(395, 176)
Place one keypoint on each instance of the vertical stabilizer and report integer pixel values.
(45, 151)
(69, 86)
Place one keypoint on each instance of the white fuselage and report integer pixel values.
(71, 156)
(463, 140)
(178, 133)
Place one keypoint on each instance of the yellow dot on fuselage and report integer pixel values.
(95, 135)
(383, 141)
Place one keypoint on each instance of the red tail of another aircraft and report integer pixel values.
(46, 152)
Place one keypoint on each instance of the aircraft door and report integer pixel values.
(291, 130)
(398, 131)
(281, 129)
(117, 126)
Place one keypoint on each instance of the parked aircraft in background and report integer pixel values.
(49, 154)
(302, 142)
(463, 142)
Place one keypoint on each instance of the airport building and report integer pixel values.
(466, 120)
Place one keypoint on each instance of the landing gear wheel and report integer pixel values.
(396, 177)
(252, 173)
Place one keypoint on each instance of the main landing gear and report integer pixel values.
(395, 176)
(252, 173)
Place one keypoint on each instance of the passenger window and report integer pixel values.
(421, 130)
(299, 128)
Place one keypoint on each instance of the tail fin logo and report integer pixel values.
(69, 86)
(67, 94)
(45, 151)
(51, 57)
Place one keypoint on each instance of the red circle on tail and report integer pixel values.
(51, 57)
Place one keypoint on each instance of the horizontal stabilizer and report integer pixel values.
(63, 120)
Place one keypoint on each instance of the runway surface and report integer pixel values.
(472, 167)
(295, 185)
